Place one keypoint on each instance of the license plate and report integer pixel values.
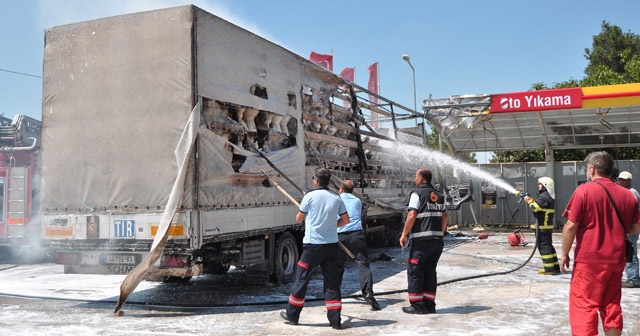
(119, 259)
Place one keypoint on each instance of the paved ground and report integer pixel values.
(37, 299)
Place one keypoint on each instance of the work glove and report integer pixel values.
(528, 199)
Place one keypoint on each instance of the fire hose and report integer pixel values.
(535, 247)
(523, 196)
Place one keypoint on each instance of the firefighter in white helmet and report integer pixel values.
(544, 210)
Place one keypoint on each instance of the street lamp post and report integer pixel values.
(415, 107)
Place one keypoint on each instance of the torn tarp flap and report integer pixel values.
(183, 151)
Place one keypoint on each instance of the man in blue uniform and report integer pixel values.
(352, 237)
(318, 210)
(425, 225)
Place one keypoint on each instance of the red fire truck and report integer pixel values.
(19, 152)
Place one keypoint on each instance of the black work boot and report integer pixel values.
(336, 325)
(415, 308)
(372, 301)
(286, 318)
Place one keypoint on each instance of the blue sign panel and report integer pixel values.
(124, 229)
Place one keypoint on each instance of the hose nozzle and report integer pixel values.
(523, 196)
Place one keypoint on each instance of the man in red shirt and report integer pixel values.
(600, 247)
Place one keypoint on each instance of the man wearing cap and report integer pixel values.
(631, 269)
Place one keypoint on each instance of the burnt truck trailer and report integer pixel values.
(118, 93)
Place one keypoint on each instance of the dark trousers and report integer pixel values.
(355, 241)
(547, 251)
(325, 256)
(421, 271)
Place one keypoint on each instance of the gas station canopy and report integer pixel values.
(587, 117)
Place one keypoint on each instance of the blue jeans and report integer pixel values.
(632, 267)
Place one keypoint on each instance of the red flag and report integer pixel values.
(349, 74)
(325, 61)
(373, 87)
(373, 82)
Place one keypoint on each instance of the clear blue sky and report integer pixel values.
(456, 47)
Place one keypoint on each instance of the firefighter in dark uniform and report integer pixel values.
(544, 210)
(319, 210)
(425, 225)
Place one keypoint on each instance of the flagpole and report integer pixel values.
(379, 77)
(379, 93)
(331, 60)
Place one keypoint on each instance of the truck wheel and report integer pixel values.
(286, 258)
(218, 268)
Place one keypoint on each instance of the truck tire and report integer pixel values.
(286, 258)
(218, 268)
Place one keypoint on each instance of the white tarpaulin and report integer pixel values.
(114, 104)
(117, 92)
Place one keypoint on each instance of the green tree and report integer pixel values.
(632, 65)
(611, 51)
(518, 156)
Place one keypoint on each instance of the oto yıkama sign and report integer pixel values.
(537, 100)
